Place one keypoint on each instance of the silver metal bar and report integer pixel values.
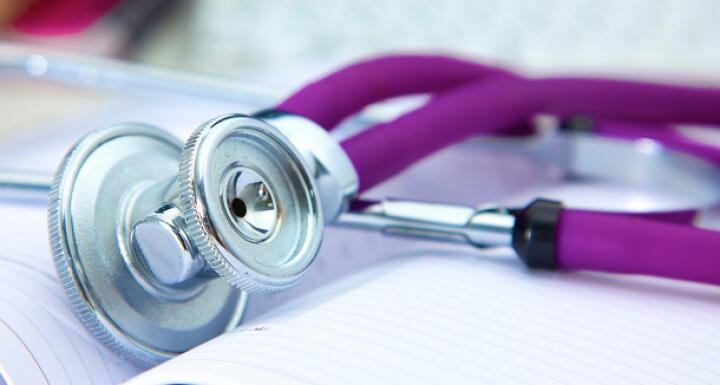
(30, 186)
(111, 73)
(488, 226)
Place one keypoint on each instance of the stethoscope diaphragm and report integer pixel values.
(103, 186)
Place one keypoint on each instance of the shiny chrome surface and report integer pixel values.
(480, 227)
(334, 174)
(247, 258)
(163, 247)
(94, 203)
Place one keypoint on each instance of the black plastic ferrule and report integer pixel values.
(535, 232)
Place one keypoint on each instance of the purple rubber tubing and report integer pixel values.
(341, 94)
(587, 240)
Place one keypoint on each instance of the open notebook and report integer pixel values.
(446, 317)
(433, 315)
(373, 309)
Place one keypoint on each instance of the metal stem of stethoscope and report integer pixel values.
(25, 185)
(86, 70)
(485, 226)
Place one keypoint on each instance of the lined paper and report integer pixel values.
(41, 340)
(449, 317)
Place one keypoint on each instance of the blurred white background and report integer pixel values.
(281, 44)
(289, 40)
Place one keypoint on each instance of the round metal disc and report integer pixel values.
(250, 203)
(96, 195)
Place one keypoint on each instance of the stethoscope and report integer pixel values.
(141, 225)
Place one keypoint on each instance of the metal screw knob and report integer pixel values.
(166, 251)
(249, 203)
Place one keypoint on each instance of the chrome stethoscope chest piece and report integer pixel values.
(105, 185)
(250, 205)
(139, 245)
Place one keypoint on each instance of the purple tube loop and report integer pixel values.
(497, 102)
(502, 106)
(330, 100)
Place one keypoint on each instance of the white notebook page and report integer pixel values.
(447, 317)
(41, 340)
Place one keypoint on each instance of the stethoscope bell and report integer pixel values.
(136, 243)
(250, 203)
